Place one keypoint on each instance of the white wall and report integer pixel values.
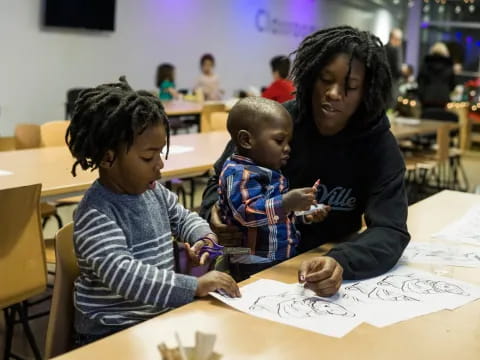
(37, 66)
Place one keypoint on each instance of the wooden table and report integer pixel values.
(422, 127)
(181, 107)
(51, 166)
(441, 335)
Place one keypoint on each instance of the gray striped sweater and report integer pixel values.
(125, 254)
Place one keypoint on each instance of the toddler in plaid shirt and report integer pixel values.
(254, 195)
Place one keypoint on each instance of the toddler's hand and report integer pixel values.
(299, 199)
(216, 280)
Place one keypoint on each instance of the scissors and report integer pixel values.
(213, 251)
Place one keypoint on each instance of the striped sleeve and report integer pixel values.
(101, 244)
(246, 198)
(186, 225)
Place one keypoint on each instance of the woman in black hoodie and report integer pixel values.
(436, 78)
(341, 136)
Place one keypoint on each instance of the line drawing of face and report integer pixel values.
(293, 306)
(408, 283)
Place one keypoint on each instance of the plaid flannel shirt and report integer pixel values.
(251, 198)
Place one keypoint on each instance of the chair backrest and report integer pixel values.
(60, 322)
(207, 110)
(27, 136)
(53, 133)
(22, 253)
(218, 121)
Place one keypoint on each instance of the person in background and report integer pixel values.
(395, 60)
(165, 82)
(408, 83)
(436, 79)
(281, 89)
(342, 137)
(208, 82)
(124, 225)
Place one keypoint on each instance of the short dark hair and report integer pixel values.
(164, 72)
(252, 113)
(317, 49)
(107, 116)
(281, 64)
(206, 57)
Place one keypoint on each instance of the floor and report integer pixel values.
(471, 162)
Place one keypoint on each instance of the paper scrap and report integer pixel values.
(5, 172)
(466, 229)
(180, 149)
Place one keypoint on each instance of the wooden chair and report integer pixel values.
(424, 166)
(27, 136)
(205, 117)
(218, 121)
(60, 323)
(53, 133)
(22, 259)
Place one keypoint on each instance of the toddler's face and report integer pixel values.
(270, 142)
(207, 67)
(137, 170)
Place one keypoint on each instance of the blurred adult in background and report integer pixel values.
(436, 78)
(395, 59)
(407, 83)
(208, 82)
(281, 89)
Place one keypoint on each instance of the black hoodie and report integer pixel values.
(361, 172)
(436, 80)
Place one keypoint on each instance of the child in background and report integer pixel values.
(124, 225)
(166, 82)
(281, 89)
(208, 82)
(254, 194)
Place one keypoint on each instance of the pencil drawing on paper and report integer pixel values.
(289, 305)
(400, 288)
(440, 253)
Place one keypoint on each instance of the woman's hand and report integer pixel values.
(228, 235)
(322, 274)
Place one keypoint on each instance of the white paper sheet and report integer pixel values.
(398, 295)
(5, 172)
(405, 293)
(180, 149)
(441, 254)
(292, 304)
(466, 229)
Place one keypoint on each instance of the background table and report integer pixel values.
(52, 166)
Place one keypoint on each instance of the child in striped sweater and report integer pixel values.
(124, 225)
